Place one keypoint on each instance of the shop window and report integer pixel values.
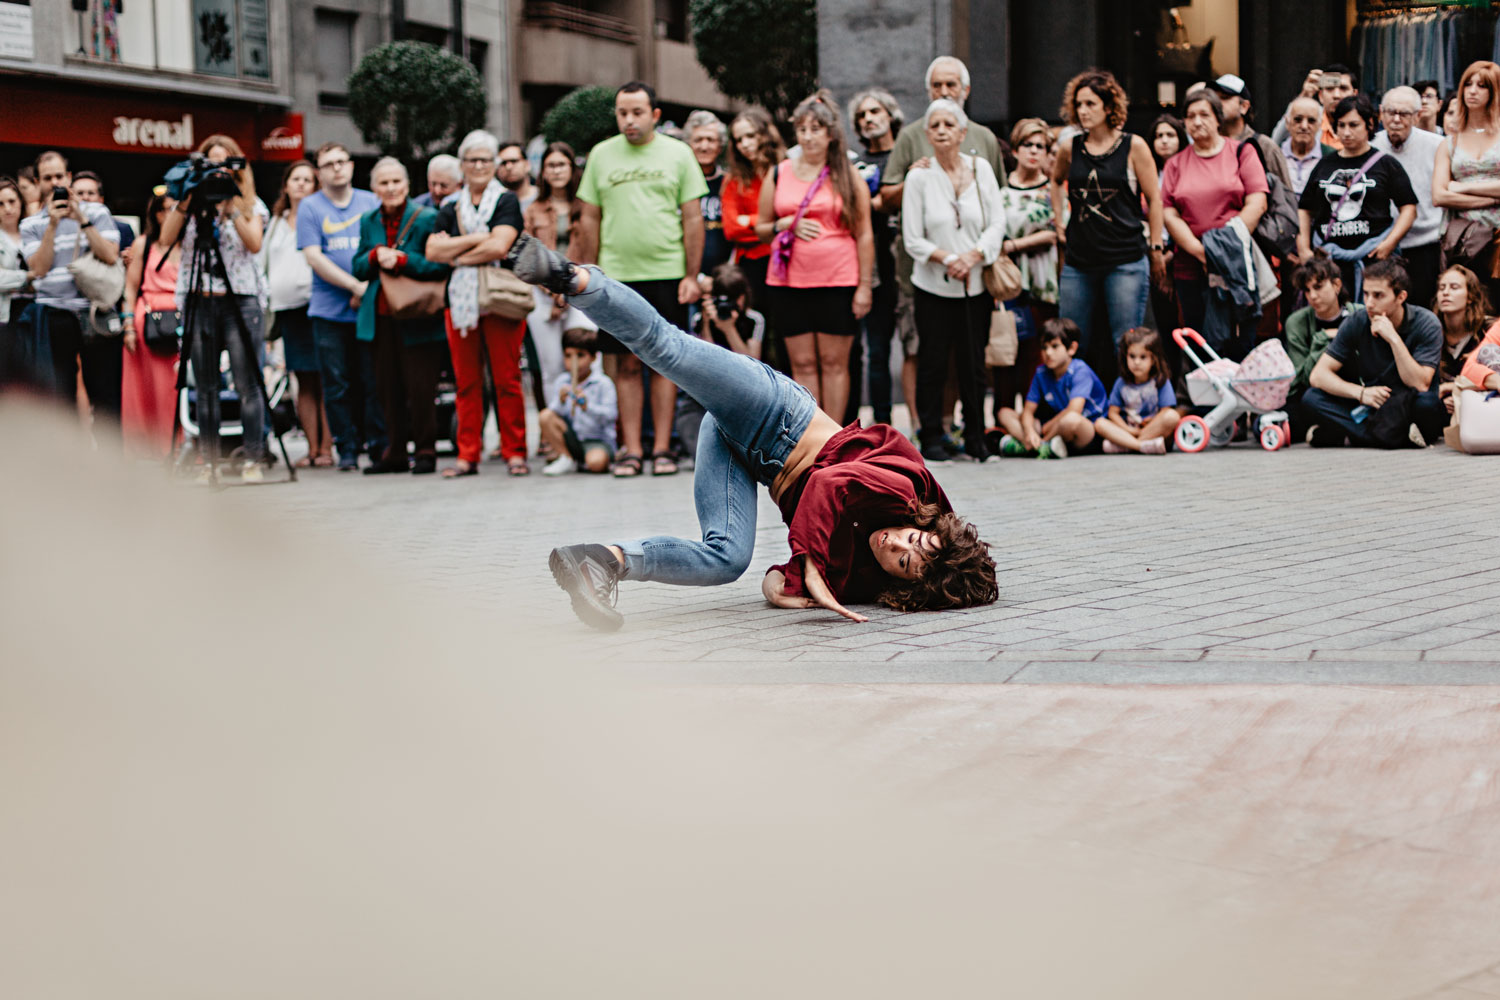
(478, 51)
(232, 38)
(335, 47)
(672, 20)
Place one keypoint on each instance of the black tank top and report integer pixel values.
(1105, 225)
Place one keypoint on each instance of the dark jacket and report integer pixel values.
(1231, 300)
(371, 235)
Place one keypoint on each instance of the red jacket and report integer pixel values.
(738, 201)
(864, 479)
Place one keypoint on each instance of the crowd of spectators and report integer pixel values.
(1037, 270)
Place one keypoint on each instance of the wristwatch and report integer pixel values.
(87, 222)
(1157, 248)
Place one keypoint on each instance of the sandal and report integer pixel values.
(626, 466)
(305, 462)
(518, 467)
(462, 468)
(498, 454)
(663, 464)
(322, 461)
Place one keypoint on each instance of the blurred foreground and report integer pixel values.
(237, 766)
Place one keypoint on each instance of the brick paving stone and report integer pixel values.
(1239, 569)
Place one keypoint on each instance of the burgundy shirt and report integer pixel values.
(864, 479)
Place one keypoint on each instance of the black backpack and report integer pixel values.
(1276, 233)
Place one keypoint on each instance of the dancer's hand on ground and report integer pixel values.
(822, 595)
(773, 587)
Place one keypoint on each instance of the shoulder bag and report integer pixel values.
(407, 297)
(1276, 232)
(501, 293)
(160, 333)
(1002, 279)
(782, 242)
(1466, 242)
(102, 284)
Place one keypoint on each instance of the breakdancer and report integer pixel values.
(867, 522)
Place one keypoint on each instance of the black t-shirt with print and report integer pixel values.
(1367, 210)
(507, 213)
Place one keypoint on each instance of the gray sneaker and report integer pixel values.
(591, 576)
(534, 264)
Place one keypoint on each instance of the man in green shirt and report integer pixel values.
(642, 225)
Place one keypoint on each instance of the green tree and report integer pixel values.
(412, 100)
(582, 119)
(761, 51)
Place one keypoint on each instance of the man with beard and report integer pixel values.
(877, 118)
(515, 174)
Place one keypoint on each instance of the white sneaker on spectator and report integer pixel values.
(1415, 434)
(251, 472)
(1110, 448)
(560, 466)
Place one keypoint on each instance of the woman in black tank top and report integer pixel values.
(1107, 255)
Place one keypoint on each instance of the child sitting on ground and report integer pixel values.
(1064, 400)
(1141, 415)
(579, 422)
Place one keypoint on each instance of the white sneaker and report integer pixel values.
(560, 466)
(251, 472)
(1414, 434)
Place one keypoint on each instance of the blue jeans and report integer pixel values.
(755, 418)
(1125, 289)
(348, 370)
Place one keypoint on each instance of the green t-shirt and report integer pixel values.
(640, 191)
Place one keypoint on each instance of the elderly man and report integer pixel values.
(1302, 149)
(1416, 150)
(1234, 94)
(1328, 87)
(444, 176)
(708, 136)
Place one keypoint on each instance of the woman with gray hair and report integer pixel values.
(952, 222)
(475, 230)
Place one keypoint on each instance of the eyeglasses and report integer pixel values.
(1040, 147)
(475, 161)
(334, 164)
(1393, 113)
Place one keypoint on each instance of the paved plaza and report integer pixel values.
(1229, 566)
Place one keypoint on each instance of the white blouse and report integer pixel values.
(932, 218)
(287, 272)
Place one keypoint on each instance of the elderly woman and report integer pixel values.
(409, 353)
(824, 291)
(473, 231)
(952, 222)
(1032, 243)
(1204, 187)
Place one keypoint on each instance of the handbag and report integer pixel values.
(1002, 279)
(1465, 242)
(407, 297)
(501, 293)
(1476, 419)
(782, 242)
(1004, 343)
(102, 284)
(160, 332)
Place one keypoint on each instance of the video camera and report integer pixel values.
(212, 180)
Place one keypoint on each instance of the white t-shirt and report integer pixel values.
(287, 273)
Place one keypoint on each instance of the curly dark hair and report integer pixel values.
(960, 574)
(1103, 83)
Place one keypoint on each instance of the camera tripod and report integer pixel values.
(207, 263)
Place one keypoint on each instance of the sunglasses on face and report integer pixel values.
(1040, 147)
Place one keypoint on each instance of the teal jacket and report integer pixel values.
(372, 235)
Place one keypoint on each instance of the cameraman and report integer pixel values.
(239, 224)
(50, 240)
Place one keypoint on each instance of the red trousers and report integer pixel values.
(502, 339)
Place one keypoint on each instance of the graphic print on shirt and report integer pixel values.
(1348, 222)
(331, 228)
(1094, 197)
(1139, 399)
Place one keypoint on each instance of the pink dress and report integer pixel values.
(148, 384)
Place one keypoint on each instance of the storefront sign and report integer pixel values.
(15, 30)
(140, 123)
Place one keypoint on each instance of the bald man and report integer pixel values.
(1415, 150)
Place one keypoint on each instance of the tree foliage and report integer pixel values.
(582, 119)
(761, 51)
(412, 100)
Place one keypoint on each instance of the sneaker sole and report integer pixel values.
(566, 573)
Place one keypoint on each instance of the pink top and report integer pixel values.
(1208, 191)
(831, 260)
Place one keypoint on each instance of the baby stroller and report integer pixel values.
(1255, 388)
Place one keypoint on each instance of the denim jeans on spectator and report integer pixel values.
(755, 418)
(1124, 290)
(348, 369)
(1319, 407)
(879, 328)
(215, 328)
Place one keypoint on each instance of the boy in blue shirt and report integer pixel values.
(579, 421)
(1064, 400)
